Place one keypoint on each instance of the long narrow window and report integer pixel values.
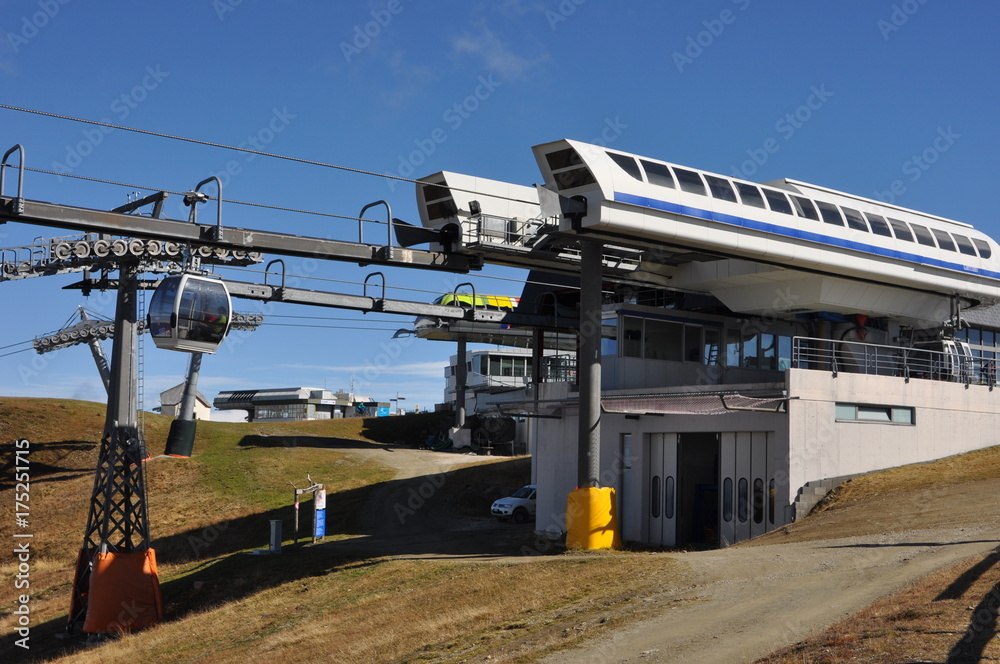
(742, 501)
(727, 500)
(771, 491)
(758, 500)
(964, 244)
(654, 497)
(668, 497)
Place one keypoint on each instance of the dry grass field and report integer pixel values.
(448, 584)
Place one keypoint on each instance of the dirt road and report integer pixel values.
(745, 602)
(732, 605)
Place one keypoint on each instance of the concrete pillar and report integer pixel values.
(588, 365)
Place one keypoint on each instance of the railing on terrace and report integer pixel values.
(856, 357)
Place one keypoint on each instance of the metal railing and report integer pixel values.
(880, 360)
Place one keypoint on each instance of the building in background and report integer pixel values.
(299, 403)
(170, 403)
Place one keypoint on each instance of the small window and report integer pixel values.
(901, 230)
(964, 244)
(854, 220)
(658, 174)
(578, 177)
(924, 236)
(690, 181)
(944, 240)
(831, 213)
(654, 497)
(563, 159)
(628, 164)
(668, 497)
(878, 224)
(721, 188)
(778, 201)
(847, 412)
(727, 500)
(758, 500)
(983, 247)
(750, 195)
(805, 208)
(743, 501)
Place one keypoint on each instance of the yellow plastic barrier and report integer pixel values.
(591, 519)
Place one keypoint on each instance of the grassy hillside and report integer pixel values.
(314, 602)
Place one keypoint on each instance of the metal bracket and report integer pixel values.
(267, 271)
(196, 196)
(389, 220)
(16, 205)
(364, 290)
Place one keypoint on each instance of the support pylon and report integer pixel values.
(116, 586)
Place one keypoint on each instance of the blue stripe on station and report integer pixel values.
(766, 227)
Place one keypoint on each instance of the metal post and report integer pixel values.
(460, 379)
(190, 388)
(589, 365)
(99, 357)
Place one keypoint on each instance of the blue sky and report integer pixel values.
(877, 97)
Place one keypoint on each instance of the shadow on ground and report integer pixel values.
(438, 516)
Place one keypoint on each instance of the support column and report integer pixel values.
(591, 514)
(461, 376)
(180, 439)
(588, 366)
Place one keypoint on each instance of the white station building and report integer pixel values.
(760, 342)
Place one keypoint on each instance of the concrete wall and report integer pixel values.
(950, 418)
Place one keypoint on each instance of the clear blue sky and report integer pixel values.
(842, 94)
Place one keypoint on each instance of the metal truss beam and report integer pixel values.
(98, 221)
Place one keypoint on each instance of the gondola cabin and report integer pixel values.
(190, 313)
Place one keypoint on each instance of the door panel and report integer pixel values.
(661, 488)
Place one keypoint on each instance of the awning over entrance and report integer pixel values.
(702, 403)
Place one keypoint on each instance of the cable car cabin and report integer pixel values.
(190, 313)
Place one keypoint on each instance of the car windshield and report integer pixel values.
(523, 492)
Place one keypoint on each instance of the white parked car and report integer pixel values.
(520, 506)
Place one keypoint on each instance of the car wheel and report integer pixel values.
(520, 515)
